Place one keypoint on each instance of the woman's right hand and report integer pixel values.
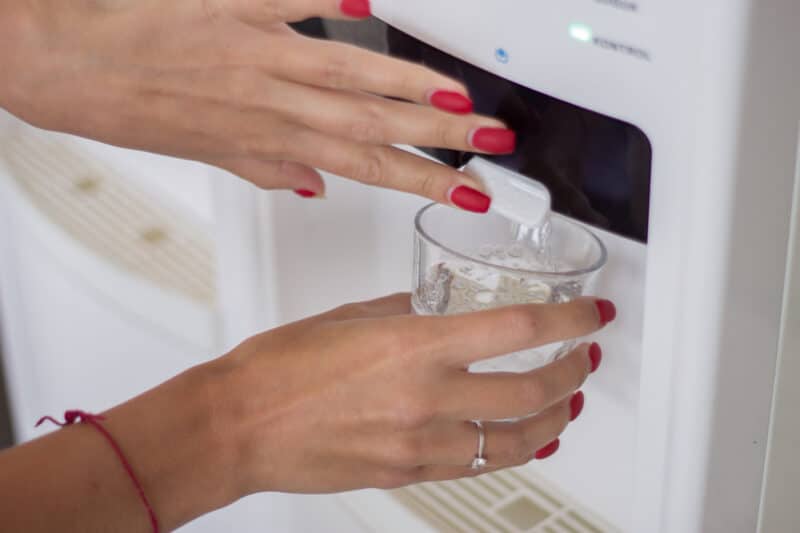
(368, 395)
(227, 82)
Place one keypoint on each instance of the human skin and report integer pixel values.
(227, 82)
(366, 395)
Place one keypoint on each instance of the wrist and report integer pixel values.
(180, 445)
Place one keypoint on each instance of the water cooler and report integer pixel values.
(670, 128)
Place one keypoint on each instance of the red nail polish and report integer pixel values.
(451, 101)
(305, 193)
(607, 311)
(595, 356)
(469, 199)
(494, 140)
(356, 8)
(576, 405)
(548, 450)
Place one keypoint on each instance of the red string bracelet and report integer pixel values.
(71, 417)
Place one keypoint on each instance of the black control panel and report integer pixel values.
(597, 167)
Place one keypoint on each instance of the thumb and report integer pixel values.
(275, 174)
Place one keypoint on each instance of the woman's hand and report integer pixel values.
(370, 396)
(366, 395)
(227, 82)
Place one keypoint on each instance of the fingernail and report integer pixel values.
(470, 199)
(451, 101)
(356, 8)
(607, 311)
(305, 193)
(595, 356)
(494, 140)
(548, 450)
(576, 405)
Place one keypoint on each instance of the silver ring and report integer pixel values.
(479, 461)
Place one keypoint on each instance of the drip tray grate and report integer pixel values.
(508, 501)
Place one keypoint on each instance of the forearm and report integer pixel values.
(71, 479)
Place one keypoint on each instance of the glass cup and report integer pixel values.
(466, 262)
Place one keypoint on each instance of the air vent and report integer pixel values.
(510, 501)
(108, 215)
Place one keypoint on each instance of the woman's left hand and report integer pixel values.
(227, 82)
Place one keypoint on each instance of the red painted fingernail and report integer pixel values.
(494, 140)
(607, 311)
(576, 405)
(451, 101)
(356, 8)
(470, 199)
(595, 356)
(305, 193)
(548, 450)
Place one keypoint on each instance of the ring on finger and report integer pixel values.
(479, 461)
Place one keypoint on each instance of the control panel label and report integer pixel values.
(633, 51)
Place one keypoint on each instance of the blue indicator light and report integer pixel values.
(501, 54)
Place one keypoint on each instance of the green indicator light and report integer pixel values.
(581, 32)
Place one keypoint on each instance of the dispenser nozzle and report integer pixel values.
(514, 196)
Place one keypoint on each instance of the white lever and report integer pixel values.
(514, 196)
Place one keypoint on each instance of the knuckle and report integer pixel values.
(535, 392)
(406, 82)
(406, 451)
(413, 414)
(273, 11)
(370, 171)
(368, 128)
(442, 133)
(212, 10)
(428, 186)
(336, 72)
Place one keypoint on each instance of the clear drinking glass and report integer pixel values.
(465, 262)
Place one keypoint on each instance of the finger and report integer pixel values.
(343, 66)
(371, 119)
(387, 167)
(495, 396)
(446, 473)
(470, 337)
(506, 443)
(266, 13)
(275, 174)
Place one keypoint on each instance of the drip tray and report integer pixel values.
(508, 501)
